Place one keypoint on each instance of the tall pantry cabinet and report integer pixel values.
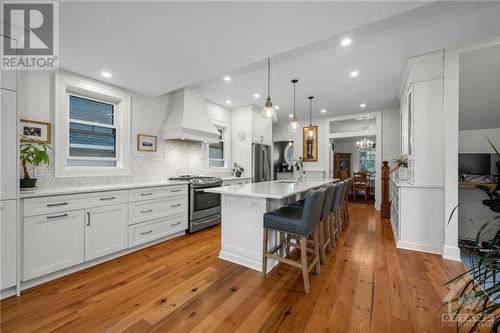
(8, 181)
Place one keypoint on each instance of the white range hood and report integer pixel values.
(188, 119)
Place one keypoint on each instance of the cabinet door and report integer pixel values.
(105, 230)
(8, 146)
(8, 79)
(52, 242)
(8, 245)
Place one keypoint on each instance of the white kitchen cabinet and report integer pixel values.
(149, 231)
(8, 245)
(8, 153)
(52, 242)
(105, 230)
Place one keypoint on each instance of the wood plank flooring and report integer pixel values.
(367, 285)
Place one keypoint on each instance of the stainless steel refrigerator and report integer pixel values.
(261, 162)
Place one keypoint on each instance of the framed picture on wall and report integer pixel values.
(34, 131)
(146, 142)
(310, 144)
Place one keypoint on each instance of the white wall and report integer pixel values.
(474, 141)
(390, 135)
(148, 115)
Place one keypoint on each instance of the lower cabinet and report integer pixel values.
(8, 245)
(149, 231)
(52, 242)
(105, 230)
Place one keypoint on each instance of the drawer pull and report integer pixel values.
(146, 232)
(57, 204)
(175, 190)
(174, 224)
(146, 211)
(56, 216)
(144, 194)
(88, 218)
(108, 198)
(176, 205)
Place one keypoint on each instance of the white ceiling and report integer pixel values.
(479, 99)
(379, 52)
(155, 47)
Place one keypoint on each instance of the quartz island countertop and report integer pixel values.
(278, 189)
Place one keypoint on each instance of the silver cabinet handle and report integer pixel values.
(88, 218)
(146, 232)
(176, 205)
(146, 211)
(57, 204)
(174, 224)
(108, 198)
(56, 216)
(175, 190)
(144, 194)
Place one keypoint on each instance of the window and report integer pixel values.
(216, 151)
(367, 162)
(92, 129)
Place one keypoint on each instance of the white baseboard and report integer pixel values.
(246, 261)
(7, 292)
(451, 253)
(418, 247)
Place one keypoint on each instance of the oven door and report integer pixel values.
(203, 204)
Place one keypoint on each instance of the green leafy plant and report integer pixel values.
(402, 161)
(237, 169)
(33, 153)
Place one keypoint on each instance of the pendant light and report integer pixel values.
(310, 131)
(268, 113)
(294, 123)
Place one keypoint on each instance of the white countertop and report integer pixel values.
(278, 189)
(45, 192)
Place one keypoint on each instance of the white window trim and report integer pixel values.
(65, 84)
(226, 130)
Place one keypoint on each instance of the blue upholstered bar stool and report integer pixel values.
(343, 214)
(300, 223)
(325, 241)
(335, 211)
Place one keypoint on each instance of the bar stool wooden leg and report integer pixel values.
(316, 251)
(333, 235)
(322, 254)
(328, 237)
(264, 254)
(305, 269)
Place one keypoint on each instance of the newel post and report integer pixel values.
(385, 211)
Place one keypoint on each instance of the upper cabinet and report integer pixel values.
(422, 119)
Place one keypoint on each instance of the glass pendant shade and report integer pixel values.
(268, 114)
(310, 130)
(294, 123)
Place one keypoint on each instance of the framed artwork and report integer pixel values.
(310, 145)
(342, 165)
(146, 142)
(34, 131)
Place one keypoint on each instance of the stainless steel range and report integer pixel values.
(204, 208)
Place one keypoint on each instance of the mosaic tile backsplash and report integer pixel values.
(179, 158)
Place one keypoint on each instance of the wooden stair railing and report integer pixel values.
(385, 211)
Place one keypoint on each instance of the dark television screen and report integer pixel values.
(474, 164)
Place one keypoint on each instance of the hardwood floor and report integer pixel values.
(181, 285)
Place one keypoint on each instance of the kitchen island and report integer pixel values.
(243, 207)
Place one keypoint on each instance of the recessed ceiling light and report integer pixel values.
(354, 73)
(276, 107)
(256, 95)
(228, 102)
(290, 115)
(345, 41)
(106, 74)
(362, 105)
(323, 111)
(227, 78)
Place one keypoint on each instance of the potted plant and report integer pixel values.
(298, 164)
(33, 153)
(237, 170)
(402, 165)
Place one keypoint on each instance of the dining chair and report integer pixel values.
(360, 184)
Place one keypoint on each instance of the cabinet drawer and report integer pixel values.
(52, 242)
(61, 203)
(151, 209)
(149, 231)
(157, 192)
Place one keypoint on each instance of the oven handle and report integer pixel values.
(202, 189)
